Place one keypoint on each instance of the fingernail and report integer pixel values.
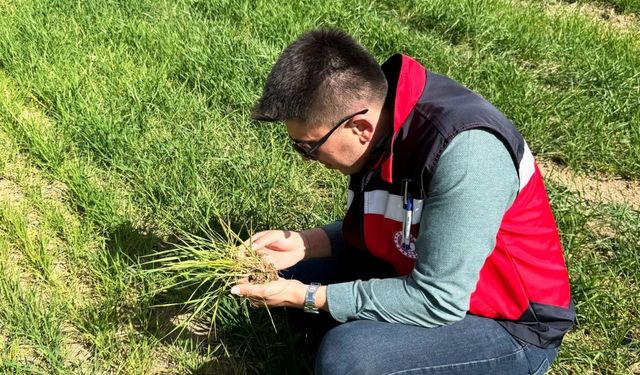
(235, 290)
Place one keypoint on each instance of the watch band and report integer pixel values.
(310, 299)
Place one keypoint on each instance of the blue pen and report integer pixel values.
(407, 207)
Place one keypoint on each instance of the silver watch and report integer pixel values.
(310, 299)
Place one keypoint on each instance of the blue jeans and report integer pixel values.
(474, 345)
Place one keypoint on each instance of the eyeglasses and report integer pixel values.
(307, 149)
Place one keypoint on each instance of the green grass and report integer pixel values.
(602, 247)
(125, 122)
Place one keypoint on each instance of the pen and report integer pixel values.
(407, 206)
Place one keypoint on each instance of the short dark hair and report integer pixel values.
(321, 75)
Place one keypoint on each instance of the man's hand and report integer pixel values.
(282, 292)
(283, 248)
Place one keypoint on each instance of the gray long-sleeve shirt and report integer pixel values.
(473, 186)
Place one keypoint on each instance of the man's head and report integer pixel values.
(320, 87)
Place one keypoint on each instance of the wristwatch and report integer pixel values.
(310, 299)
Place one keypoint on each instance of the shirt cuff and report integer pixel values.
(341, 301)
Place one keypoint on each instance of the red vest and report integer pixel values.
(524, 283)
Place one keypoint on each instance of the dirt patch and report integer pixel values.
(76, 349)
(5, 91)
(196, 331)
(162, 363)
(610, 189)
(599, 13)
(34, 116)
(609, 15)
(54, 191)
(601, 229)
(10, 192)
(18, 350)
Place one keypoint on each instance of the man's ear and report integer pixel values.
(363, 128)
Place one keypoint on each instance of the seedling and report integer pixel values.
(208, 266)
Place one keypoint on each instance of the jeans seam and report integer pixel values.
(457, 364)
(544, 366)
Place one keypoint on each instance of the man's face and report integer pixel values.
(345, 149)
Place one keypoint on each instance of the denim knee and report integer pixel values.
(540, 360)
(339, 354)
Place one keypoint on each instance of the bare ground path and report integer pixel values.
(611, 189)
(598, 12)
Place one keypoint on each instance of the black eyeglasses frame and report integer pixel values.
(307, 149)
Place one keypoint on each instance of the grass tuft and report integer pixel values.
(203, 268)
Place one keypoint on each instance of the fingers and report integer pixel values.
(257, 241)
(250, 292)
(249, 242)
(274, 240)
(255, 237)
(275, 293)
(266, 239)
(242, 289)
(245, 289)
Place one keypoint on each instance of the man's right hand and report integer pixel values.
(283, 248)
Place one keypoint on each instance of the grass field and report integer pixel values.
(123, 123)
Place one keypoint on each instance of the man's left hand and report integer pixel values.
(282, 292)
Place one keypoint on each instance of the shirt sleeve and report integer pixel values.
(473, 186)
(339, 245)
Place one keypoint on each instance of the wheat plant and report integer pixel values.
(206, 267)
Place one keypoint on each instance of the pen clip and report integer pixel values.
(406, 197)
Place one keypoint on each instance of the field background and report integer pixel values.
(124, 122)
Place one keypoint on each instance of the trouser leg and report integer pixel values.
(474, 345)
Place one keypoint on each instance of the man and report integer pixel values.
(445, 190)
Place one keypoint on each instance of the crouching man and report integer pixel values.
(444, 191)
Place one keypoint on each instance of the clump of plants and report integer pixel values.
(197, 272)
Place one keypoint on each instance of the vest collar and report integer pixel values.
(406, 79)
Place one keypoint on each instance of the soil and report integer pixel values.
(600, 13)
(613, 189)
(10, 192)
(610, 16)
(260, 272)
(34, 116)
(263, 275)
(77, 349)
